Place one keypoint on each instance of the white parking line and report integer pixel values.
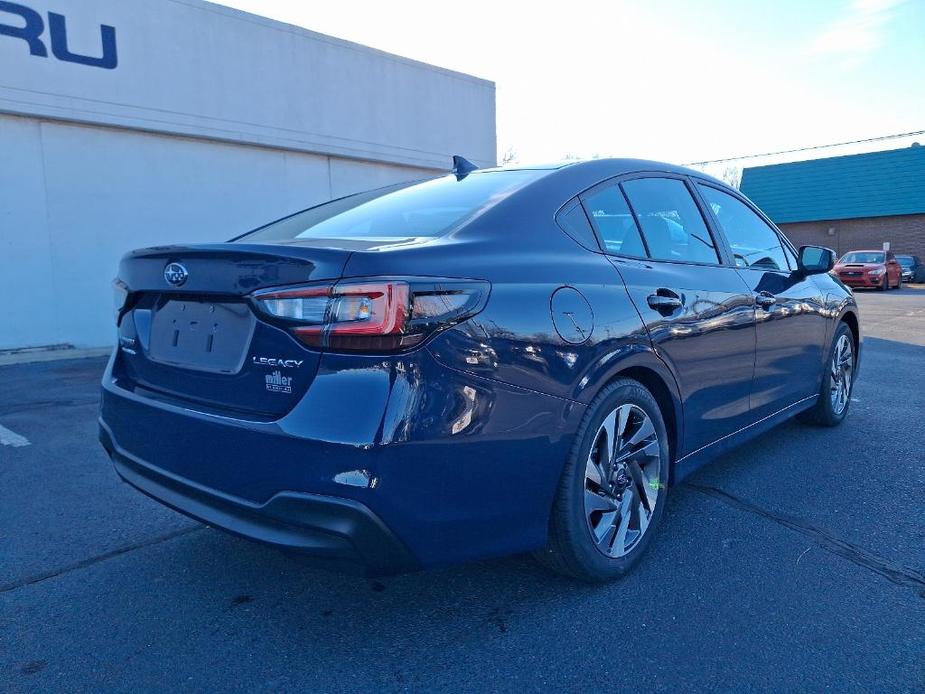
(11, 438)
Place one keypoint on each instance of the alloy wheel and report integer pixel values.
(842, 371)
(622, 480)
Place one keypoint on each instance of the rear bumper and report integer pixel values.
(342, 531)
(451, 465)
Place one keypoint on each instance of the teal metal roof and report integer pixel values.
(877, 184)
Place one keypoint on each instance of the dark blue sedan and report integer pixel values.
(486, 363)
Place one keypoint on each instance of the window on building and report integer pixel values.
(671, 222)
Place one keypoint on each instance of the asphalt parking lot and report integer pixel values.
(794, 563)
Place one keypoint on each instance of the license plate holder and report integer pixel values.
(202, 335)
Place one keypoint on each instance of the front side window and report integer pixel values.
(426, 209)
(614, 221)
(754, 243)
(671, 222)
(791, 257)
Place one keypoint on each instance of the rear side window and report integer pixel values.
(670, 220)
(426, 209)
(574, 222)
(614, 221)
(754, 243)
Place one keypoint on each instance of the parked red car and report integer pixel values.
(878, 269)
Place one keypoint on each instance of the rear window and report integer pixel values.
(863, 257)
(426, 209)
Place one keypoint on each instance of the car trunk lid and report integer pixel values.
(190, 335)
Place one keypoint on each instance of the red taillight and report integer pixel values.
(373, 315)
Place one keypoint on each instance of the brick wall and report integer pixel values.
(906, 234)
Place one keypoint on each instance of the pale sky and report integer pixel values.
(673, 80)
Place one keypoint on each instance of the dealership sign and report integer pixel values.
(31, 25)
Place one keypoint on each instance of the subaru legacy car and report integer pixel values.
(486, 363)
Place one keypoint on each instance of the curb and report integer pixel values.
(33, 356)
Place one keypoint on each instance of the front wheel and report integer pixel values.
(613, 488)
(837, 382)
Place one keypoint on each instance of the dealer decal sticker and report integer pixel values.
(277, 383)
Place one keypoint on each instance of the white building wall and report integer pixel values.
(74, 198)
(213, 122)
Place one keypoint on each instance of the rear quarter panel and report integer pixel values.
(526, 258)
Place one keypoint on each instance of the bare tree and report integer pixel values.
(509, 156)
(733, 176)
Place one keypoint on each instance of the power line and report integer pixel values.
(807, 149)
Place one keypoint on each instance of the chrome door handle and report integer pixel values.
(765, 300)
(666, 301)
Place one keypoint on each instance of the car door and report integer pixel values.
(698, 311)
(790, 314)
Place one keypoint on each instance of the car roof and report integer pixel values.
(613, 165)
(582, 174)
(549, 166)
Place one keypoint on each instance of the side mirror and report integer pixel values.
(815, 260)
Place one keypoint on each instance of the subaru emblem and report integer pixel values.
(175, 274)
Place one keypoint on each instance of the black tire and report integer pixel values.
(885, 285)
(824, 412)
(570, 549)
